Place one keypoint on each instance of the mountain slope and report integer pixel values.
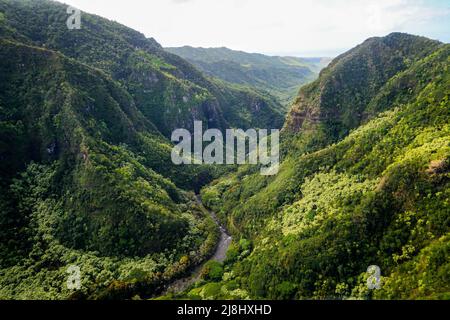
(280, 76)
(86, 177)
(377, 196)
(166, 89)
(74, 190)
(344, 96)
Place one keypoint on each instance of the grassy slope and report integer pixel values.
(379, 196)
(74, 189)
(280, 76)
(166, 89)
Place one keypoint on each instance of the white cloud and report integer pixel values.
(182, 1)
(268, 26)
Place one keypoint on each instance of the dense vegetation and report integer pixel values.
(280, 76)
(76, 188)
(378, 195)
(167, 90)
(86, 177)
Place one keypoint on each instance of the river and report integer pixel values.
(219, 255)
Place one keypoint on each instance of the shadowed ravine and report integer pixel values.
(219, 255)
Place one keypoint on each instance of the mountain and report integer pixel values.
(365, 180)
(348, 91)
(166, 89)
(280, 76)
(86, 172)
(87, 181)
(79, 187)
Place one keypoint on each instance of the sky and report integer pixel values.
(275, 27)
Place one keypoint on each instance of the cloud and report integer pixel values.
(267, 26)
(181, 1)
(391, 15)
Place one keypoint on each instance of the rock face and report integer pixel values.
(340, 98)
(168, 90)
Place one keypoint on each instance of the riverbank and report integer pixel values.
(219, 256)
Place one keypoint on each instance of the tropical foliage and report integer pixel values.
(378, 196)
(86, 177)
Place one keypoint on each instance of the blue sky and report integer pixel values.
(284, 27)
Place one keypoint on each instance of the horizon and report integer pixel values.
(322, 28)
(287, 55)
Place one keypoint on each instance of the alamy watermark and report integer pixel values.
(374, 279)
(74, 279)
(240, 147)
(74, 20)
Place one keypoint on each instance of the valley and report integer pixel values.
(219, 255)
(88, 181)
(280, 76)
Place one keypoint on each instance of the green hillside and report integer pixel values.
(348, 91)
(155, 78)
(86, 176)
(280, 76)
(76, 188)
(378, 195)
